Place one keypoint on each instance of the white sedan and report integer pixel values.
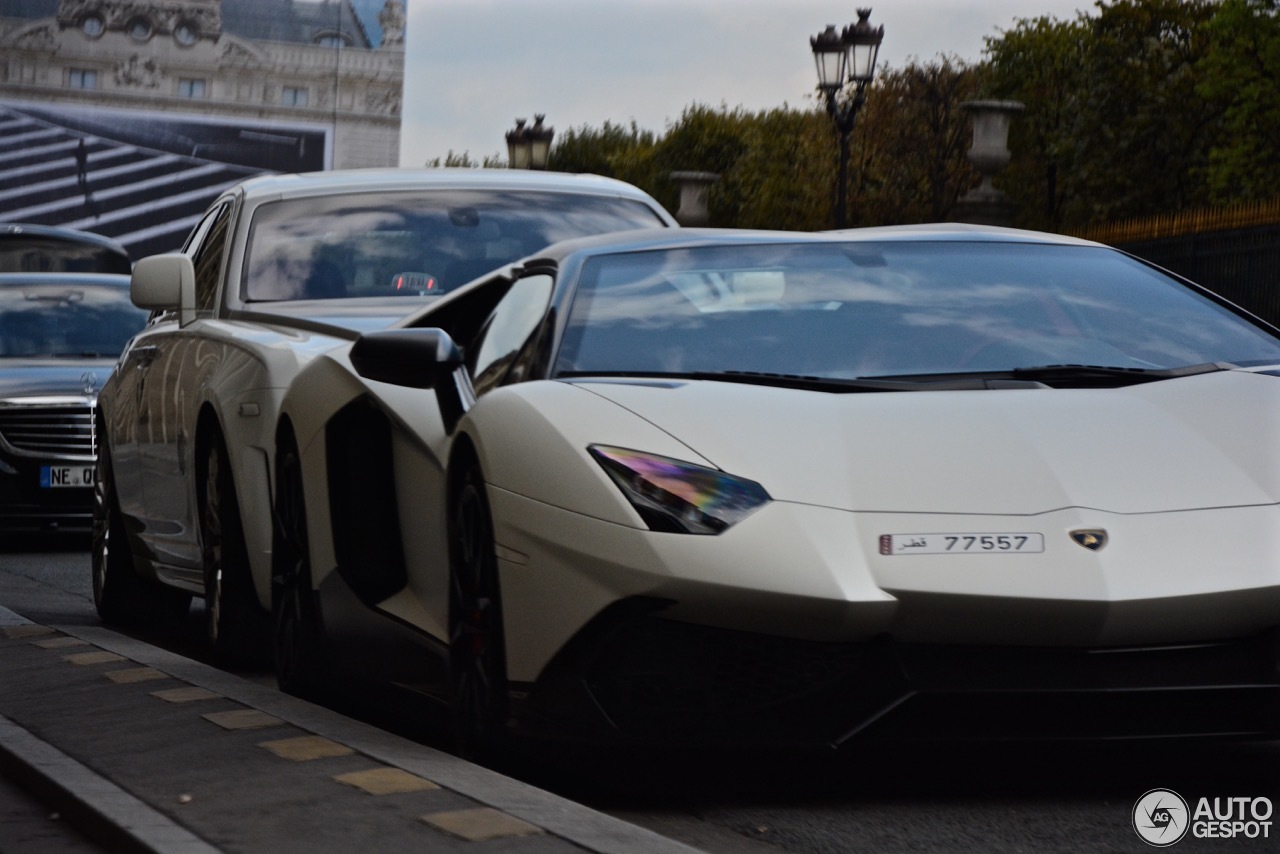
(717, 487)
(280, 269)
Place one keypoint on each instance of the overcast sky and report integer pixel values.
(473, 66)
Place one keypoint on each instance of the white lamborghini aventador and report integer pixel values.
(796, 489)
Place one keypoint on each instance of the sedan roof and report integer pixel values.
(363, 180)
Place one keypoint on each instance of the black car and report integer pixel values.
(50, 249)
(60, 335)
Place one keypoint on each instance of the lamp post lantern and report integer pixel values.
(540, 143)
(518, 148)
(529, 147)
(847, 57)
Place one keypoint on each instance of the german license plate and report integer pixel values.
(56, 477)
(958, 544)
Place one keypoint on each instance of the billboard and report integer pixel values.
(127, 118)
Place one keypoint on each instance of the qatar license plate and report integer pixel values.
(958, 544)
(56, 477)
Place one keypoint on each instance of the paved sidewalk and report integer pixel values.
(144, 750)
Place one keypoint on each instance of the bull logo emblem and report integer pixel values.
(1092, 539)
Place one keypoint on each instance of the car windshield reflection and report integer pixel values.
(414, 244)
(66, 320)
(886, 309)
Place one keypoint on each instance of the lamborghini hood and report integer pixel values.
(1181, 444)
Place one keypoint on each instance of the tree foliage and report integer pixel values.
(1040, 63)
(1132, 108)
(913, 140)
(464, 161)
(1241, 73)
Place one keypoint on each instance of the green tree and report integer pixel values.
(911, 142)
(783, 177)
(612, 150)
(1040, 62)
(1240, 74)
(1144, 134)
(1114, 125)
(464, 161)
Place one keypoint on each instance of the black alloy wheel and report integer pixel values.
(120, 595)
(301, 663)
(477, 655)
(232, 621)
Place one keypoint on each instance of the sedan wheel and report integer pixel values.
(477, 653)
(232, 619)
(302, 666)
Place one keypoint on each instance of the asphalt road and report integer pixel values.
(994, 798)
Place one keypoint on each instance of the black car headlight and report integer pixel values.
(678, 497)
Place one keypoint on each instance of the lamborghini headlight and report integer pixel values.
(679, 497)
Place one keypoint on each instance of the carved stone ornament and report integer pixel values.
(235, 54)
(386, 101)
(391, 19)
(42, 38)
(164, 15)
(139, 73)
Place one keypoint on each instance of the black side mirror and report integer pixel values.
(417, 358)
(414, 358)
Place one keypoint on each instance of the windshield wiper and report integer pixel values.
(1072, 376)
(1108, 374)
(942, 382)
(1039, 376)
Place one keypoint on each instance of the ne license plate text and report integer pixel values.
(942, 544)
(54, 477)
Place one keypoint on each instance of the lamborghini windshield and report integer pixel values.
(893, 309)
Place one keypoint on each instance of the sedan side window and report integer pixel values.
(206, 256)
(496, 348)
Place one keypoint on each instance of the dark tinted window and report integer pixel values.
(29, 253)
(207, 252)
(508, 328)
(66, 319)
(414, 243)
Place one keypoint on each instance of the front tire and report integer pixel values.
(477, 653)
(302, 666)
(232, 621)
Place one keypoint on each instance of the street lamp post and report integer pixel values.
(846, 57)
(529, 147)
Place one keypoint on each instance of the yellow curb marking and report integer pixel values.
(59, 643)
(26, 630)
(386, 781)
(477, 825)
(305, 748)
(185, 695)
(136, 674)
(242, 719)
(101, 657)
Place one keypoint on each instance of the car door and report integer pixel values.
(169, 405)
(125, 425)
